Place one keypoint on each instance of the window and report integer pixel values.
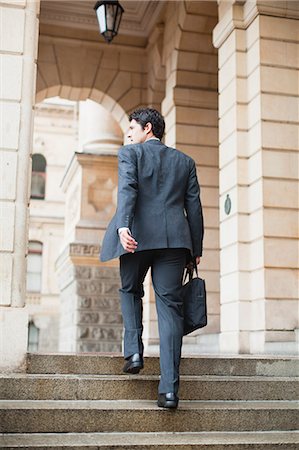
(34, 266)
(38, 180)
(33, 335)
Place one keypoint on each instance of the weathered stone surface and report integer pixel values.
(90, 309)
(121, 386)
(197, 365)
(164, 441)
(119, 416)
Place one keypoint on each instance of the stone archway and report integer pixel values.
(90, 320)
(78, 70)
(66, 92)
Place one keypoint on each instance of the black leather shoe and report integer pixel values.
(168, 400)
(134, 364)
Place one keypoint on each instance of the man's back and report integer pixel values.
(158, 199)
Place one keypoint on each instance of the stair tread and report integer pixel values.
(99, 363)
(206, 356)
(122, 377)
(146, 404)
(139, 439)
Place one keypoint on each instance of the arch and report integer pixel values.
(81, 94)
(77, 70)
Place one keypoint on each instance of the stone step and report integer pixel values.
(105, 364)
(151, 441)
(84, 416)
(113, 387)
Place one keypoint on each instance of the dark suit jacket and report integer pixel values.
(158, 199)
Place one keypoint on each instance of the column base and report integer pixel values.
(235, 342)
(13, 339)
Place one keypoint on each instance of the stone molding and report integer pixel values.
(76, 252)
(138, 19)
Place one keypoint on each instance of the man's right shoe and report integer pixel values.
(134, 364)
(168, 400)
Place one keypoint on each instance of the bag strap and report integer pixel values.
(190, 273)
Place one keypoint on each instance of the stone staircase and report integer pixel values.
(85, 402)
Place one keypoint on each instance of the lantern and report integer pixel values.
(109, 16)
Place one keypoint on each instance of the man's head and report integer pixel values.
(145, 123)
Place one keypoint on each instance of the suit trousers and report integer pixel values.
(167, 268)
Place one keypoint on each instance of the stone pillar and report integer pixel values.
(18, 53)
(99, 133)
(190, 110)
(258, 86)
(90, 310)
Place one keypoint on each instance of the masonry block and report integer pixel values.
(7, 224)
(280, 164)
(13, 338)
(281, 283)
(11, 77)
(120, 85)
(202, 155)
(280, 80)
(281, 223)
(8, 175)
(12, 29)
(277, 107)
(279, 314)
(281, 252)
(197, 61)
(280, 135)
(280, 193)
(6, 266)
(279, 53)
(235, 42)
(49, 72)
(285, 29)
(10, 123)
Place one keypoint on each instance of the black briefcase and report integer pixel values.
(194, 302)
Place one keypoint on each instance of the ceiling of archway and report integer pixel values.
(78, 19)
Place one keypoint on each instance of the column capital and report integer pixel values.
(242, 13)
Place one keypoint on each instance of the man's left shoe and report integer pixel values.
(134, 364)
(168, 400)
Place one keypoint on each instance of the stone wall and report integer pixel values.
(90, 309)
(258, 130)
(18, 52)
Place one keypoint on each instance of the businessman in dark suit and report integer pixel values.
(159, 225)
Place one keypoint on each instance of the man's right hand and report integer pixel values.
(190, 265)
(127, 241)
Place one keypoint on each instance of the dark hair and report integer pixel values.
(146, 115)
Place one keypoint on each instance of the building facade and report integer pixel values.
(225, 76)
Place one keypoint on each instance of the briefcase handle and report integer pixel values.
(190, 272)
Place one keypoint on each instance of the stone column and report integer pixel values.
(90, 310)
(190, 110)
(99, 133)
(258, 86)
(18, 53)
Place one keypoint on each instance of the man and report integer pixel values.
(159, 225)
